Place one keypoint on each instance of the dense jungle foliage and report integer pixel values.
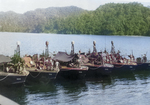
(109, 19)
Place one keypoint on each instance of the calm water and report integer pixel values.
(125, 89)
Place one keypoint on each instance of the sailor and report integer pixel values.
(57, 65)
(79, 55)
(79, 52)
(51, 64)
(47, 64)
(144, 58)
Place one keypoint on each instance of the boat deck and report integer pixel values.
(41, 70)
(74, 68)
(125, 63)
(10, 74)
(92, 65)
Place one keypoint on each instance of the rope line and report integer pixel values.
(94, 68)
(4, 78)
(36, 75)
(119, 66)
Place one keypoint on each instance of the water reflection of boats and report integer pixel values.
(124, 76)
(37, 87)
(141, 74)
(99, 79)
(11, 73)
(72, 86)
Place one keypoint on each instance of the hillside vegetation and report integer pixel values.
(32, 21)
(109, 19)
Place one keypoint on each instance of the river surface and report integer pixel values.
(124, 89)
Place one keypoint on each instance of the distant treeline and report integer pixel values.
(34, 21)
(109, 19)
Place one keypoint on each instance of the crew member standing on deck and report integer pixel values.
(57, 65)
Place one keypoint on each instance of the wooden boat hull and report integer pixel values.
(143, 66)
(12, 79)
(41, 76)
(72, 73)
(98, 71)
(120, 68)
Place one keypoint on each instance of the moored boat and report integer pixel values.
(142, 63)
(96, 64)
(121, 63)
(9, 74)
(41, 75)
(120, 68)
(72, 73)
(12, 78)
(69, 66)
(41, 69)
(98, 70)
(143, 66)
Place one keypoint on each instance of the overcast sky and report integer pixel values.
(21, 6)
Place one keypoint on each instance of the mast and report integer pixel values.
(94, 47)
(72, 48)
(112, 48)
(17, 51)
(46, 49)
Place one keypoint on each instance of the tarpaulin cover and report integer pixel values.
(4, 59)
(63, 56)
